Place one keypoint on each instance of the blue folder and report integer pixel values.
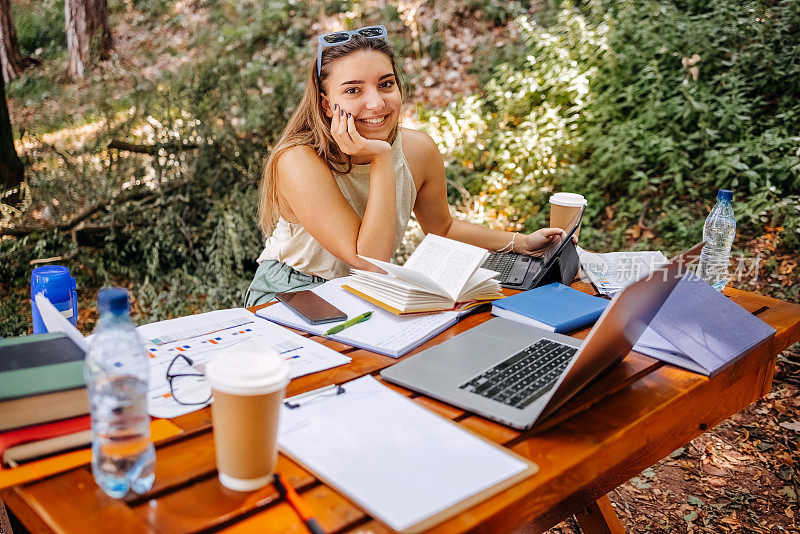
(704, 326)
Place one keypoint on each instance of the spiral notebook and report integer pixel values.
(384, 332)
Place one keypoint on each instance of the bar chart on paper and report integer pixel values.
(202, 337)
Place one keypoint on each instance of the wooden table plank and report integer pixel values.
(74, 503)
(207, 504)
(182, 462)
(333, 511)
(194, 421)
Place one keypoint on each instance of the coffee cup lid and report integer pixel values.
(248, 370)
(571, 200)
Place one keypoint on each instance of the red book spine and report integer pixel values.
(44, 431)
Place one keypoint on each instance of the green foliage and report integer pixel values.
(151, 8)
(646, 107)
(692, 100)
(40, 24)
(513, 145)
(499, 11)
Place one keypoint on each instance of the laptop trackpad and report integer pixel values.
(467, 355)
(517, 274)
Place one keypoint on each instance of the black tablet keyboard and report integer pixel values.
(512, 267)
(519, 380)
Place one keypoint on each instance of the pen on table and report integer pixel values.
(350, 322)
(303, 398)
(287, 492)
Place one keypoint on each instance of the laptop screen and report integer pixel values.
(554, 248)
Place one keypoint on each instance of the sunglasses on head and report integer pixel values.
(336, 38)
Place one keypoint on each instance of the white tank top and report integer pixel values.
(291, 244)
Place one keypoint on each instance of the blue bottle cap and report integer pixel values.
(112, 299)
(725, 194)
(54, 281)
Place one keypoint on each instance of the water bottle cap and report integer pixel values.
(54, 281)
(112, 299)
(725, 194)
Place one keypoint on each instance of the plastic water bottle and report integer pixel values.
(718, 233)
(116, 374)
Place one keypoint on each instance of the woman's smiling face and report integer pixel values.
(364, 85)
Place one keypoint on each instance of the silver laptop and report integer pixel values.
(519, 374)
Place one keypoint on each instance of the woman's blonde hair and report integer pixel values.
(309, 126)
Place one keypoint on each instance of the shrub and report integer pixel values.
(646, 107)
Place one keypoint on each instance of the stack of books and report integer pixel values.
(44, 403)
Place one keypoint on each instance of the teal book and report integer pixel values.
(554, 307)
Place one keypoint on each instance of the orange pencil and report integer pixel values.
(302, 509)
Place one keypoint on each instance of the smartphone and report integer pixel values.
(311, 307)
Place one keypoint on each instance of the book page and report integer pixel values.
(393, 281)
(481, 285)
(447, 262)
(418, 278)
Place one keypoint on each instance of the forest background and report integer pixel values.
(646, 107)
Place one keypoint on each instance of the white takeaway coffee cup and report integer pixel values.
(248, 384)
(563, 207)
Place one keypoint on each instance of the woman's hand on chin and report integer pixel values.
(535, 243)
(343, 129)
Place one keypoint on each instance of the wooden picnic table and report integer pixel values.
(627, 420)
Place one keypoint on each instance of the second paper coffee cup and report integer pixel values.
(248, 384)
(563, 207)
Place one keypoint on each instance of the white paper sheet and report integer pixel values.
(652, 344)
(55, 322)
(610, 272)
(396, 459)
(202, 337)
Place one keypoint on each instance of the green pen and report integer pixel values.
(350, 322)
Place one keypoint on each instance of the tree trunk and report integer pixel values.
(11, 61)
(11, 171)
(83, 19)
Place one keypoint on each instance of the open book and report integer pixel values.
(441, 274)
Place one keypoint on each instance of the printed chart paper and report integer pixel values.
(202, 337)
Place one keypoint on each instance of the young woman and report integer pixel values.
(344, 177)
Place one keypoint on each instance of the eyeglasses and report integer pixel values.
(336, 38)
(188, 385)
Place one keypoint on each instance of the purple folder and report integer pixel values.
(707, 326)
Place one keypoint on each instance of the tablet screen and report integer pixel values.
(554, 248)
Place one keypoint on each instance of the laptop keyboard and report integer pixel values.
(519, 380)
(504, 263)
